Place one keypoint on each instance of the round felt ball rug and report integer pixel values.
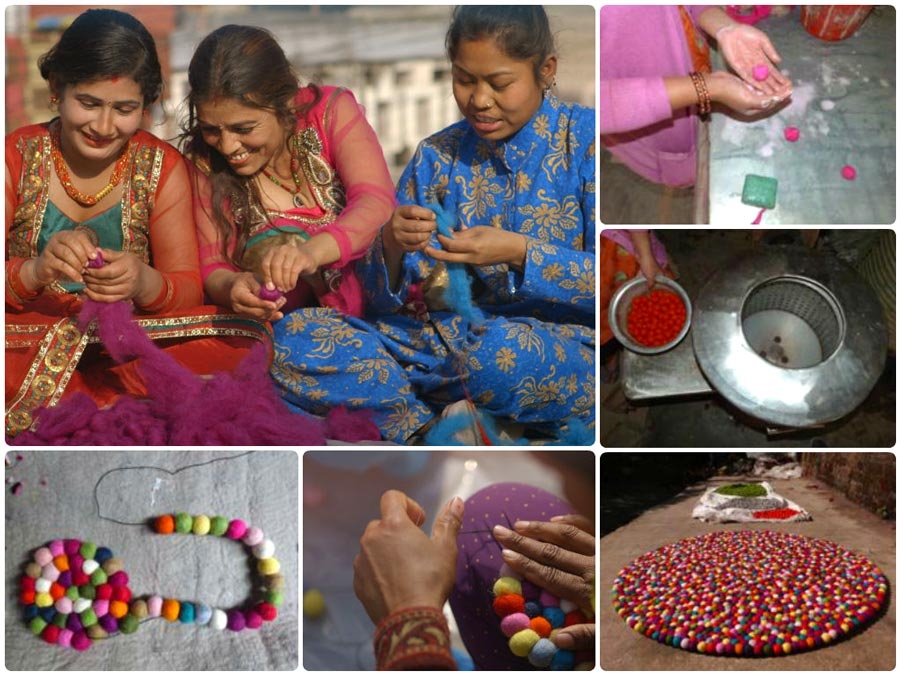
(749, 593)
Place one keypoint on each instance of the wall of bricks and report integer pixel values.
(867, 478)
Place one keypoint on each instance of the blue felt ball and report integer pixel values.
(186, 612)
(542, 653)
(30, 612)
(533, 609)
(463, 660)
(563, 660)
(47, 613)
(103, 554)
(555, 616)
(203, 613)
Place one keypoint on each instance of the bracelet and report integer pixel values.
(76, 592)
(14, 283)
(703, 99)
(162, 299)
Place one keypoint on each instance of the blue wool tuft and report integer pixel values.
(563, 660)
(463, 660)
(576, 432)
(458, 294)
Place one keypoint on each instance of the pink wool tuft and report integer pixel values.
(230, 408)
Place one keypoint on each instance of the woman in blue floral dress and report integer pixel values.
(517, 178)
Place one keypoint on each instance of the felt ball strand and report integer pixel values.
(75, 592)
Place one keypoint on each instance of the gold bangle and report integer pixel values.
(703, 99)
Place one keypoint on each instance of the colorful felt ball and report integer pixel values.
(547, 599)
(95, 632)
(129, 623)
(165, 524)
(88, 549)
(219, 619)
(183, 522)
(90, 566)
(50, 634)
(542, 653)
(252, 536)
(109, 623)
(264, 549)
(203, 613)
(555, 616)
(522, 642)
(154, 606)
(533, 608)
(112, 566)
(267, 611)
(119, 578)
(267, 566)
(218, 526)
(236, 620)
(101, 607)
(253, 618)
(313, 603)
(65, 638)
(201, 525)
(507, 586)
(513, 623)
(170, 609)
(509, 604)
(541, 626)
(43, 556)
(275, 598)
(103, 554)
(236, 529)
(80, 641)
(139, 609)
(563, 659)
(186, 613)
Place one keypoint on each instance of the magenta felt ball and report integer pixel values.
(848, 172)
(254, 620)
(513, 623)
(236, 620)
(80, 641)
(117, 579)
(270, 296)
(56, 547)
(236, 529)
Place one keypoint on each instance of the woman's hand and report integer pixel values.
(559, 556)
(481, 245)
(244, 299)
(745, 47)
(124, 276)
(398, 565)
(733, 92)
(283, 265)
(409, 228)
(64, 257)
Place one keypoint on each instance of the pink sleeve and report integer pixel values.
(359, 161)
(632, 103)
(209, 242)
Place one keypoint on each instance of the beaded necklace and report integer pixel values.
(62, 171)
(296, 195)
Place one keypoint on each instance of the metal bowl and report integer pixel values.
(620, 305)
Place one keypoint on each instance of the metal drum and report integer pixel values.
(790, 337)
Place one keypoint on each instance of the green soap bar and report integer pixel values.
(759, 191)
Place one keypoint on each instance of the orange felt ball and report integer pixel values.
(170, 609)
(119, 609)
(165, 524)
(56, 591)
(61, 562)
(511, 603)
(541, 626)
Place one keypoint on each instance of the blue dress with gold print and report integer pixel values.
(532, 360)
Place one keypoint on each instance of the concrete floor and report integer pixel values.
(834, 518)
(712, 421)
(628, 199)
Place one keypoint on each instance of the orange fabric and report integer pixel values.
(696, 43)
(616, 267)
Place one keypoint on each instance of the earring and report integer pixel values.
(54, 99)
(549, 88)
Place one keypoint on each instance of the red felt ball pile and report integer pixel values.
(776, 514)
(656, 318)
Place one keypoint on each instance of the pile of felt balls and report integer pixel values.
(75, 592)
(529, 616)
(267, 566)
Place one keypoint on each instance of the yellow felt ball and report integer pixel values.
(507, 586)
(43, 599)
(313, 603)
(200, 525)
(521, 643)
(268, 566)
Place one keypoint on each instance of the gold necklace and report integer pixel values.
(62, 172)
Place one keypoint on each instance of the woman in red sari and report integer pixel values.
(96, 207)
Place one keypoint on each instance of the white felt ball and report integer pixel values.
(219, 619)
(90, 566)
(567, 606)
(42, 585)
(264, 549)
(80, 605)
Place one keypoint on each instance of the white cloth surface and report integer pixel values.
(57, 501)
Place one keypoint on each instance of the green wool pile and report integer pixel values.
(742, 490)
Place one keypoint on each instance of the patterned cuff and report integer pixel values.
(414, 639)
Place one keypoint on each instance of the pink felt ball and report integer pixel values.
(792, 134)
(236, 529)
(101, 607)
(118, 579)
(63, 605)
(760, 72)
(43, 556)
(56, 547)
(848, 172)
(513, 623)
(65, 638)
(254, 619)
(253, 536)
(154, 605)
(265, 294)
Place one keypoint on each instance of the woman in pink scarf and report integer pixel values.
(655, 77)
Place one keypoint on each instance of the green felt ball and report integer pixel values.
(88, 617)
(59, 620)
(72, 593)
(98, 576)
(88, 591)
(275, 598)
(218, 525)
(759, 191)
(129, 623)
(37, 624)
(88, 550)
(183, 522)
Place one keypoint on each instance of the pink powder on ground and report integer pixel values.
(792, 134)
